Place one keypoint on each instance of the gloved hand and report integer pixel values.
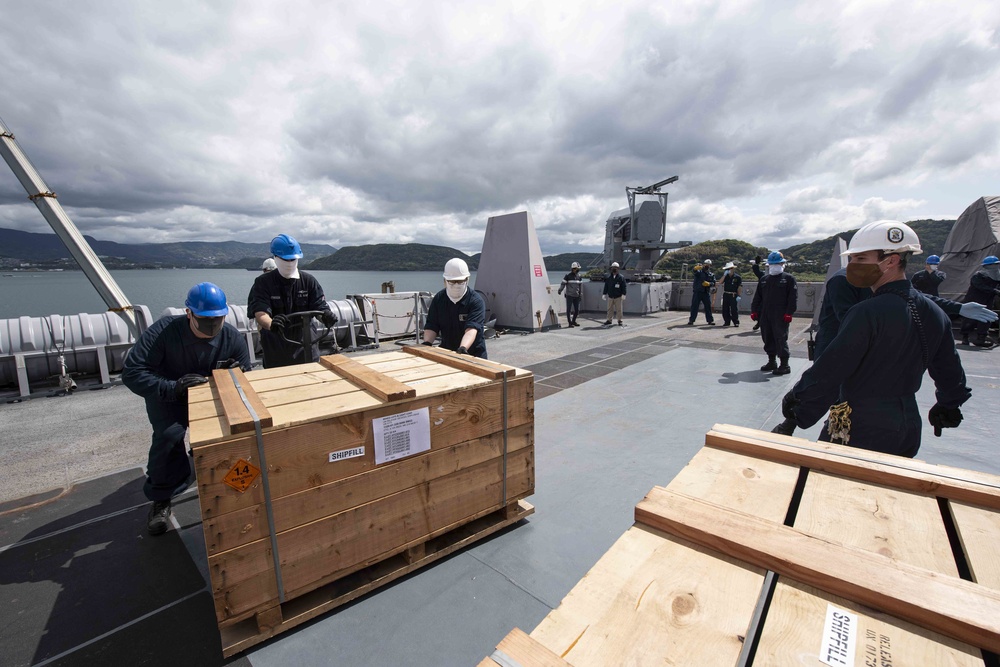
(788, 319)
(228, 363)
(704, 283)
(461, 350)
(738, 299)
(604, 297)
(758, 259)
(328, 318)
(753, 316)
(788, 403)
(184, 382)
(623, 297)
(559, 291)
(279, 322)
(786, 427)
(427, 342)
(977, 312)
(941, 417)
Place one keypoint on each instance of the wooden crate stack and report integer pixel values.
(343, 525)
(773, 550)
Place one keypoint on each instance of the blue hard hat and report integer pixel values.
(207, 300)
(933, 259)
(775, 258)
(285, 247)
(992, 259)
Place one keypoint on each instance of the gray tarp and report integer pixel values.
(975, 235)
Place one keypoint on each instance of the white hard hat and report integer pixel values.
(707, 261)
(614, 265)
(729, 265)
(456, 269)
(268, 265)
(885, 235)
(575, 265)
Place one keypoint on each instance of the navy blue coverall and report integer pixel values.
(700, 294)
(928, 281)
(776, 296)
(450, 320)
(275, 295)
(164, 352)
(982, 289)
(730, 290)
(876, 364)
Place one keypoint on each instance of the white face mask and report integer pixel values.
(932, 267)
(288, 268)
(993, 271)
(456, 292)
(775, 269)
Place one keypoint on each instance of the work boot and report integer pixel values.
(965, 340)
(770, 365)
(620, 323)
(783, 369)
(608, 323)
(712, 323)
(985, 343)
(756, 326)
(159, 517)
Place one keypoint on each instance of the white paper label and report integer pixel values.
(347, 454)
(401, 435)
(840, 638)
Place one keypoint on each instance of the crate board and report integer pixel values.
(830, 526)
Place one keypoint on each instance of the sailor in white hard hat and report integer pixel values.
(874, 366)
(457, 314)
(732, 290)
(572, 282)
(615, 287)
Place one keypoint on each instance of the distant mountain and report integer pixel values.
(720, 252)
(32, 247)
(562, 262)
(390, 257)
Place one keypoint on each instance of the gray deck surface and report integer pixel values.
(617, 411)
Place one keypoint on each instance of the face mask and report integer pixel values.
(863, 275)
(288, 268)
(993, 271)
(932, 267)
(209, 326)
(456, 291)
(776, 269)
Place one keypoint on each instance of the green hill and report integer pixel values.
(389, 257)
(562, 262)
(719, 252)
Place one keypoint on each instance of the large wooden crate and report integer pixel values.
(294, 503)
(772, 550)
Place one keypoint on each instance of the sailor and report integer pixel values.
(873, 368)
(732, 289)
(573, 284)
(983, 288)
(175, 353)
(929, 278)
(268, 265)
(773, 304)
(701, 289)
(457, 314)
(276, 295)
(615, 287)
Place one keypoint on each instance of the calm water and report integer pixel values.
(69, 292)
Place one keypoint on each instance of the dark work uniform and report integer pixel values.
(275, 295)
(573, 284)
(982, 289)
(164, 352)
(776, 297)
(450, 320)
(928, 281)
(876, 364)
(730, 290)
(700, 294)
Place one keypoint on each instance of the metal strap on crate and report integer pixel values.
(504, 499)
(267, 486)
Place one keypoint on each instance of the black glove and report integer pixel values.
(228, 363)
(328, 318)
(428, 342)
(941, 417)
(758, 259)
(788, 403)
(461, 350)
(185, 382)
(279, 322)
(786, 427)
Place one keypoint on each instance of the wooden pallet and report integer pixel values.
(764, 544)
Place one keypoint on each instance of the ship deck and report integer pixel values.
(617, 411)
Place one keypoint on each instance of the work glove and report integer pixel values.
(786, 427)
(328, 318)
(941, 417)
(623, 297)
(559, 291)
(704, 283)
(604, 297)
(228, 363)
(788, 319)
(788, 403)
(758, 259)
(461, 350)
(738, 299)
(753, 316)
(279, 322)
(977, 312)
(184, 382)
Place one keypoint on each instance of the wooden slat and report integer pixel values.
(942, 481)
(979, 533)
(953, 607)
(235, 412)
(524, 651)
(481, 367)
(385, 388)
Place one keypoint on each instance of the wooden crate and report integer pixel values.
(303, 508)
(764, 545)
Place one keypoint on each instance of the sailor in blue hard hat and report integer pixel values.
(174, 354)
(774, 302)
(929, 278)
(984, 287)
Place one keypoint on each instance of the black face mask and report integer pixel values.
(209, 326)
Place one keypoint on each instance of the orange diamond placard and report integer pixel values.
(242, 475)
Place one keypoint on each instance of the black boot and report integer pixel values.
(159, 517)
(770, 365)
(783, 369)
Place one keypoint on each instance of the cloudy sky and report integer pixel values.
(351, 123)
